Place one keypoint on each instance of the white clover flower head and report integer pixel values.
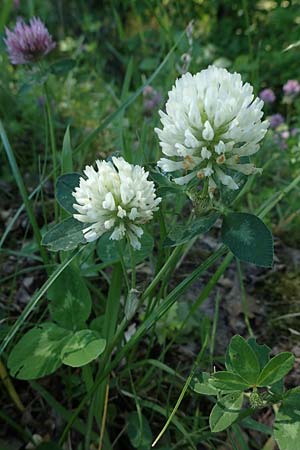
(118, 197)
(211, 121)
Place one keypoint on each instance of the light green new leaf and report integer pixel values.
(65, 185)
(225, 411)
(70, 300)
(227, 381)
(276, 369)
(37, 353)
(200, 384)
(287, 422)
(248, 238)
(243, 359)
(65, 236)
(139, 431)
(83, 347)
(184, 233)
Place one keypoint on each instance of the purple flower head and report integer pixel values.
(148, 91)
(291, 87)
(285, 134)
(152, 99)
(267, 95)
(28, 43)
(276, 120)
(295, 131)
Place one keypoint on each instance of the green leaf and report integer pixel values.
(67, 153)
(276, 369)
(262, 352)
(227, 381)
(243, 359)
(139, 431)
(65, 236)
(229, 195)
(97, 324)
(164, 185)
(248, 238)
(70, 300)
(65, 185)
(83, 347)
(184, 233)
(109, 252)
(287, 422)
(37, 353)
(200, 384)
(225, 411)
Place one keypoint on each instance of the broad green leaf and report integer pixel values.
(37, 353)
(184, 233)
(248, 238)
(65, 236)
(109, 251)
(227, 381)
(83, 347)
(262, 352)
(287, 422)
(200, 384)
(139, 432)
(243, 359)
(70, 300)
(225, 411)
(276, 369)
(65, 185)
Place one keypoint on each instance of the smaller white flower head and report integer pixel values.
(117, 198)
(211, 121)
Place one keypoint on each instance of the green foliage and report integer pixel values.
(109, 250)
(70, 300)
(228, 381)
(225, 411)
(262, 352)
(201, 384)
(62, 67)
(276, 369)
(249, 367)
(139, 431)
(287, 422)
(184, 233)
(83, 347)
(65, 185)
(248, 238)
(65, 236)
(243, 360)
(164, 185)
(37, 353)
(42, 350)
(96, 87)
